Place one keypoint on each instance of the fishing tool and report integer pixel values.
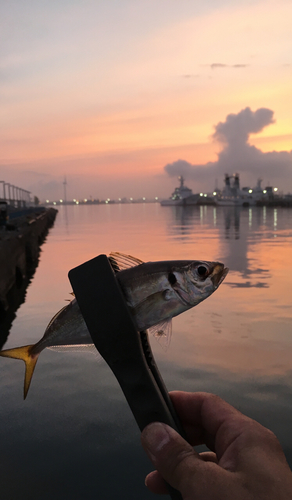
(126, 351)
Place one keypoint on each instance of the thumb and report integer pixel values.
(179, 464)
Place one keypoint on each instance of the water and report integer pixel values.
(74, 437)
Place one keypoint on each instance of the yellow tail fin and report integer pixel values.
(30, 362)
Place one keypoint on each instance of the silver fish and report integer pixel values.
(155, 292)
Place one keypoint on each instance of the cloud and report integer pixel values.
(217, 65)
(220, 65)
(190, 76)
(237, 154)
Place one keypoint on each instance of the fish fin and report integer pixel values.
(120, 261)
(162, 332)
(55, 316)
(115, 266)
(30, 362)
(77, 348)
(74, 348)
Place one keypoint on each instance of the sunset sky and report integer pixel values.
(110, 92)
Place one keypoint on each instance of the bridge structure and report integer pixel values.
(16, 197)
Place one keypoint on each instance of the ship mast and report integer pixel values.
(65, 194)
(181, 179)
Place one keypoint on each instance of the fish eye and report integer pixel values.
(172, 278)
(202, 271)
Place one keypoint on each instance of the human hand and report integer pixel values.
(246, 461)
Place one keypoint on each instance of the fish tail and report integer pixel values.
(30, 360)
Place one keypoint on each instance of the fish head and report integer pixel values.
(196, 281)
(157, 291)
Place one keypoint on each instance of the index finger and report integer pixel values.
(203, 415)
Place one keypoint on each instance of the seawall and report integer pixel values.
(20, 247)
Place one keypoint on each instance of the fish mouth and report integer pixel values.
(219, 274)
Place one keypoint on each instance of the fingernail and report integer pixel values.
(154, 437)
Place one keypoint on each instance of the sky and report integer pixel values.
(122, 96)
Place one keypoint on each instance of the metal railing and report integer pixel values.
(13, 195)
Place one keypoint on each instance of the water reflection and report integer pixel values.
(183, 221)
(237, 230)
(232, 222)
(15, 297)
(75, 425)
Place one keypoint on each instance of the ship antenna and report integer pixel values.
(65, 194)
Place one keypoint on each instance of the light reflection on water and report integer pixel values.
(74, 437)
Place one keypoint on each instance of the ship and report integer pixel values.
(179, 195)
(233, 195)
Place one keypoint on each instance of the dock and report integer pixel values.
(20, 244)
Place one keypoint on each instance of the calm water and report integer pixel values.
(74, 437)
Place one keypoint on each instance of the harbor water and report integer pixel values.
(74, 436)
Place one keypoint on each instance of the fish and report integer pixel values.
(154, 292)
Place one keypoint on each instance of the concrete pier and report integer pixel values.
(19, 249)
